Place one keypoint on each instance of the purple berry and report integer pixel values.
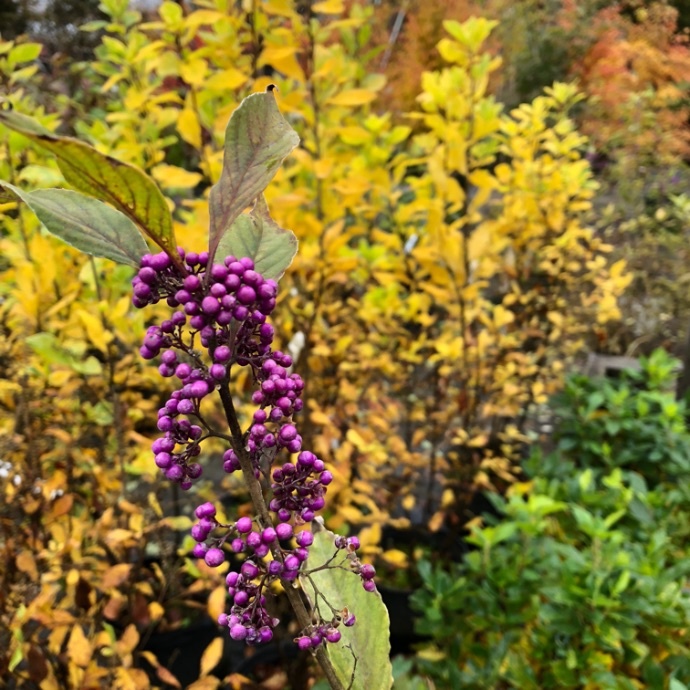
(253, 540)
(291, 562)
(241, 598)
(249, 570)
(303, 643)
(287, 433)
(269, 535)
(284, 530)
(222, 354)
(238, 632)
(244, 525)
(217, 372)
(210, 305)
(275, 568)
(174, 473)
(265, 635)
(214, 557)
(333, 635)
(305, 538)
(367, 572)
(199, 550)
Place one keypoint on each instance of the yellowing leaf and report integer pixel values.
(395, 557)
(156, 611)
(370, 537)
(116, 575)
(328, 7)
(216, 602)
(27, 564)
(79, 648)
(354, 136)
(211, 656)
(283, 59)
(409, 502)
(194, 72)
(95, 330)
(207, 683)
(189, 128)
(227, 80)
(153, 502)
(128, 641)
(353, 97)
(436, 521)
(172, 177)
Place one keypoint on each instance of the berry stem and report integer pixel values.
(257, 497)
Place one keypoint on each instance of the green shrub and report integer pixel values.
(633, 422)
(581, 584)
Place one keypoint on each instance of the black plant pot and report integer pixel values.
(180, 651)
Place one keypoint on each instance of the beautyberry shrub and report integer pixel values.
(219, 320)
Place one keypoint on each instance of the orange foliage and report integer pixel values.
(635, 73)
(414, 48)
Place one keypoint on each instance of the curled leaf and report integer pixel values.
(257, 140)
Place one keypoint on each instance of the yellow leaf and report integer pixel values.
(282, 59)
(95, 330)
(211, 656)
(131, 679)
(189, 128)
(153, 502)
(227, 80)
(208, 683)
(320, 418)
(436, 521)
(281, 8)
(156, 611)
(353, 97)
(194, 72)
(354, 136)
(370, 536)
(179, 522)
(395, 557)
(118, 536)
(323, 168)
(172, 177)
(27, 564)
(116, 575)
(128, 641)
(79, 648)
(328, 7)
(408, 502)
(216, 602)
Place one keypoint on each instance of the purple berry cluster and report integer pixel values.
(219, 320)
(225, 306)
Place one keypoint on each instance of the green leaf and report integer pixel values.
(258, 236)
(47, 347)
(257, 140)
(85, 223)
(369, 637)
(25, 52)
(16, 658)
(126, 187)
